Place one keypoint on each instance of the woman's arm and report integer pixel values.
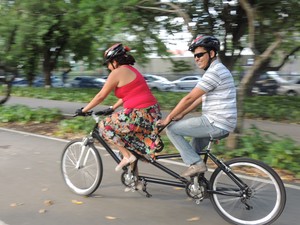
(110, 84)
(117, 104)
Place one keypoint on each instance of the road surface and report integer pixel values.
(30, 180)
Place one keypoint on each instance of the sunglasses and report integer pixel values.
(199, 55)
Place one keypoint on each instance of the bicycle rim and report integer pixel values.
(86, 179)
(264, 202)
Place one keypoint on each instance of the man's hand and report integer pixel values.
(163, 123)
(167, 120)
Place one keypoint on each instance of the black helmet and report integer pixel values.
(208, 42)
(113, 51)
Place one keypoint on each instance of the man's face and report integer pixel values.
(202, 59)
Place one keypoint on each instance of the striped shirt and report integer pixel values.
(219, 100)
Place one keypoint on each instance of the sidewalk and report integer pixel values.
(282, 129)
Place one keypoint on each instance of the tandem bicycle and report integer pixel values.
(242, 190)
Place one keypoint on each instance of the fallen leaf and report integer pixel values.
(177, 188)
(48, 202)
(111, 217)
(16, 204)
(77, 202)
(42, 210)
(193, 219)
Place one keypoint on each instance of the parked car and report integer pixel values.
(20, 82)
(158, 82)
(87, 82)
(268, 83)
(291, 89)
(55, 82)
(186, 83)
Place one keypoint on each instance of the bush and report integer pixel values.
(24, 114)
(277, 152)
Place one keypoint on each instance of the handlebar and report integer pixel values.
(90, 113)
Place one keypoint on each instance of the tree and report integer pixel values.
(228, 21)
(40, 34)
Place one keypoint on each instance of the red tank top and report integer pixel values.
(136, 94)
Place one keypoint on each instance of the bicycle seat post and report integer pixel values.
(210, 143)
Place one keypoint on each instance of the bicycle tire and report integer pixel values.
(86, 179)
(266, 199)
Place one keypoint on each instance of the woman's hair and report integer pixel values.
(124, 59)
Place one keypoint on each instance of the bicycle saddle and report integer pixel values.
(219, 137)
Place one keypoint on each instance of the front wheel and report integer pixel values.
(261, 203)
(81, 167)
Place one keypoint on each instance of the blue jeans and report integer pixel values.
(200, 129)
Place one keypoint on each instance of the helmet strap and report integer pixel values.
(210, 59)
(112, 64)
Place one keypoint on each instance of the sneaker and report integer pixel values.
(194, 169)
(124, 162)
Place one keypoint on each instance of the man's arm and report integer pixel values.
(193, 106)
(186, 104)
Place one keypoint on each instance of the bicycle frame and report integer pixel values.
(182, 182)
(227, 187)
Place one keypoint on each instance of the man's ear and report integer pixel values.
(212, 53)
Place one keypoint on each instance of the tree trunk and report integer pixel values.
(245, 86)
(48, 66)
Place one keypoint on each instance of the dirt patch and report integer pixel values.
(47, 129)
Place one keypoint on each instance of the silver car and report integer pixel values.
(186, 83)
(290, 89)
(158, 82)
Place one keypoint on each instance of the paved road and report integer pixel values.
(30, 175)
(281, 129)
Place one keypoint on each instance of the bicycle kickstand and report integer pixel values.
(144, 188)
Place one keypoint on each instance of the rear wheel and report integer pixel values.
(263, 201)
(82, 176)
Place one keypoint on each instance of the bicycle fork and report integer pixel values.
(84, 154)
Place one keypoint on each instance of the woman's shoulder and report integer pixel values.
(123, 69)
(120, 70)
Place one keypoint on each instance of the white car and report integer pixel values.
(186, 83)
(292, 89)
(158, 82)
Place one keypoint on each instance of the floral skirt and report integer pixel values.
(133, 129)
